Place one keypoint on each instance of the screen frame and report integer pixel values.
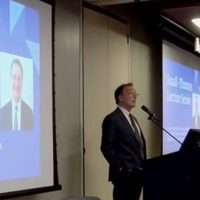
(56, 185)
(178, 36)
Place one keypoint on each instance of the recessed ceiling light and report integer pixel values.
(196, 21)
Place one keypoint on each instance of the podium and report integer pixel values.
(175, 176)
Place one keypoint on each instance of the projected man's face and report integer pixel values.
(17, 78)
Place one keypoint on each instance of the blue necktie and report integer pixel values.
(15, 120)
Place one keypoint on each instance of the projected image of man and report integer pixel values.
(196, 116)
(16, 114)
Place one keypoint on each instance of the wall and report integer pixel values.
(146, 74)
(68, 94)
(106, 65)
(146, 67)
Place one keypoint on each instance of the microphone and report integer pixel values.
(144, 108)
(152, 117)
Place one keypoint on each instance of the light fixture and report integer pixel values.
(196, 21)
(197, 45)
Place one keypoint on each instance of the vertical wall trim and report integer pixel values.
(82, 103)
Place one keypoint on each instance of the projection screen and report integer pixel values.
(27, 132)
(181, 94)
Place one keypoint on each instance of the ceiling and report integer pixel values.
(179, 11)
(183, 16)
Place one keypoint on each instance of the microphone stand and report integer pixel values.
(156, 121)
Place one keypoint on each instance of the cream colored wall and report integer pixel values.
(103, 52)
(106, 65)
(146, 75)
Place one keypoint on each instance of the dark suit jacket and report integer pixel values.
(6, 116)
(119, 144)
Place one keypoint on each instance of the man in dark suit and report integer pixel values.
(16, 114)
(123, 146)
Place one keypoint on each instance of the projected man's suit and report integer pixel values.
(16, 114)
(26, 121)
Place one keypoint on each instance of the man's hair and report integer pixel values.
(119, 91)
(17, 62)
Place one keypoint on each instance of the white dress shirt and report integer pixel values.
(18, 114)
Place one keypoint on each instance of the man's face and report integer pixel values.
(16, 79)
(128, 98)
